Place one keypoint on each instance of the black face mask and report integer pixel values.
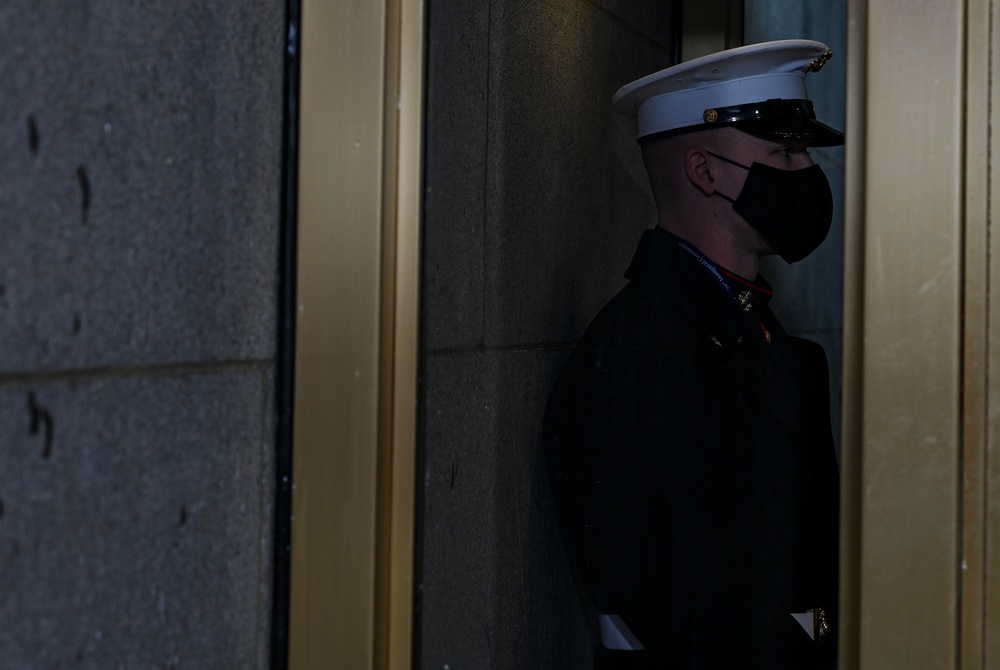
(791, 209)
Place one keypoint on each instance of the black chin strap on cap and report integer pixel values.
(775, 110)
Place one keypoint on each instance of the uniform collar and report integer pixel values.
(715, 296)
(744, 344)
(752, 296)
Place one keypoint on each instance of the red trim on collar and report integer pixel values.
(749, 284)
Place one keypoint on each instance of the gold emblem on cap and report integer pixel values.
(711, 116)
(818, 64)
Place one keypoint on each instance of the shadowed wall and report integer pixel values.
(535, 199)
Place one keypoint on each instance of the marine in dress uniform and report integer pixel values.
(688, 437)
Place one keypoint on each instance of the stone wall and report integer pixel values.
(535, 199)
(140, 181)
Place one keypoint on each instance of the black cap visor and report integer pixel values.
(776, 119)
(779, 119)
(814, 133)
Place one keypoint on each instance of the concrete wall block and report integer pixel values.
(141, 181)
(649, 19)
(135, 522)
(539, 615)
(567, 196)
(456, 150)
(459, 511)
(496, 587)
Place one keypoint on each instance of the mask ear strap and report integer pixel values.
(728, 160)
(724, 197)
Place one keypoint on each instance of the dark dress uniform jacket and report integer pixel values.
(694, 471)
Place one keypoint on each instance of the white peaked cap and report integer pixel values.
(760, 88)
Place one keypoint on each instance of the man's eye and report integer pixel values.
(788, 152)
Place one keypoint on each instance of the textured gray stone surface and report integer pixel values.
(140, 181)
(535, 199)
(541, 623)
(527, 163)
(497, 592)
(459, 509)
(567, 198)
(651, 20)
(456, 155)
(140, 161)
(135, 522)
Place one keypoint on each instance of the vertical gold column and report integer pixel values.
(976, 348)
(852, 407)
(356, 334)
(399, 335)
(908, 449)
(337, 334)
(990, 501)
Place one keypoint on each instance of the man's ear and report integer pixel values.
(698, 170)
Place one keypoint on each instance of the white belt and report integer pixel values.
(616, 635)
(813, 622)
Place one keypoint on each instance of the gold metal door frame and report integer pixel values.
(356, 334)
(921, 392)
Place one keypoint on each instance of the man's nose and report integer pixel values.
(804, 160)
